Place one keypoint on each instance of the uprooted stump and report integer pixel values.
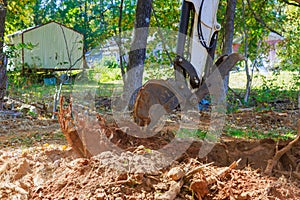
(92, 135)
(68, 128)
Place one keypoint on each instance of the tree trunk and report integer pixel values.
(120, 38)
(228, 38)
(3, 76)
(134, 76)
(249, 78)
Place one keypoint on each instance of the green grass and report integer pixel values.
(266, 91)
(255, 134)
(236, 133)
(198, 134)
(105, 81)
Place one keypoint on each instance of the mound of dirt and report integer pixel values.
(54, 173)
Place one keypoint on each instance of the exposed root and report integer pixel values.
(68, 128)
(279, 153)
(199, 184)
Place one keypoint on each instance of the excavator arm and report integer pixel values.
(201, 40)
(197, 37)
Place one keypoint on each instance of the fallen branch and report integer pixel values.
(196, 170)
(279, 153)
(222, 173)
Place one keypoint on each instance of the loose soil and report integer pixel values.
(35, 163)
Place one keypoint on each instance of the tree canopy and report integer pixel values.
(99, 19)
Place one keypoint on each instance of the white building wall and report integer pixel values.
(53, 42)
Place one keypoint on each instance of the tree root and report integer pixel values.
(198, 185)
(68, 128)
(279, 153)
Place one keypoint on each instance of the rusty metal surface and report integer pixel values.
(153, 93)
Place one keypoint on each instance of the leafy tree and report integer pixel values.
(19, 15)
(290, 47)
(167, 14)
(96, 20)
(228, 34)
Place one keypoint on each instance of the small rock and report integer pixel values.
(244, 196)
(57, 163)
(101, 196)
(176, 173)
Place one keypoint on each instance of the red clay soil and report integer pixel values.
(53, 173)
(140, 170)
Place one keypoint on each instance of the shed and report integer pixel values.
(56, 47)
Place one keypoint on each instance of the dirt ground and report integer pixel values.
(36, 163)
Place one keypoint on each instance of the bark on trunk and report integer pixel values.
(3, 76)
(229, 32)
(134, 76)
(249, 78)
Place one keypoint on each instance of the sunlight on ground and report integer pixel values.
(238, 80)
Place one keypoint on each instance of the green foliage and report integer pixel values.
(109, 62)
(107, 70)
(110, 75)
(96, 20)
(19, 15)
(104, 74)
(168, 14)
(268, 91)
(260, 19)
(15, 78)
(14, 50)
(289, 49)
(271, 92)
(191, 133)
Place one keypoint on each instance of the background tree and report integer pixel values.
(19, 15)
(228, 30)
(137, 54)
(290, 47)
(3, 76)
(253, 23)
(96, 20)
(99, 20)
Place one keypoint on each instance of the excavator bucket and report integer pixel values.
(154, 92)
(158, 97)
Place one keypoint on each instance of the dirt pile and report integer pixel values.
(53, 173)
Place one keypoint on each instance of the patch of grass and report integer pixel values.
(108, 89)
(197, 134)
(32, 139)
(253, 134)
(268, 92)
(190, 133)
(236, 133)
(58, 135)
